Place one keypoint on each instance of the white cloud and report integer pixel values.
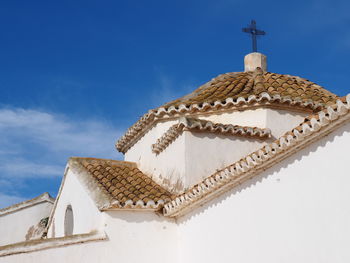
(167, 90)
(56, 132)
(22, 168)
(36, 145)
(7, 200)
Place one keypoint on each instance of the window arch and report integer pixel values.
(68, 221)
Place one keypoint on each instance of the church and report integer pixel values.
(250, 167)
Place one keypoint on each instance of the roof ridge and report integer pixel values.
(265, 157)
(103, 159)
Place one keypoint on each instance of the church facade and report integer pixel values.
(250, 167)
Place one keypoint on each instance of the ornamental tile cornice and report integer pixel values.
(136, 131)
(314, 127)
(236, 90)
(200, 125)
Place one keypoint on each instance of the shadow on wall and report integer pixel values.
(229, 137)
(298, 156)
(138, 216)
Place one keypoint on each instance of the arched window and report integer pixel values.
(68, 221)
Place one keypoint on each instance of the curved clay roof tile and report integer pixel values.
(244, 84)
(237, 89)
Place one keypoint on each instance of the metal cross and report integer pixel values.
(254, 32)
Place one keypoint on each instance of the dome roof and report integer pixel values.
(244, 84)
(237, 90)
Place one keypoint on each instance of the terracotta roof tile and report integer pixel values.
(236, 90)
(244, 84)
(314, 127)
(123, 181)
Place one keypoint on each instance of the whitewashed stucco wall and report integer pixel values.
(166, 168)
(86, 216)
(277, 120)
(281, 121)
(207, 152)
(14, 226)
(192, 156)
(132, 237)
(297, 211)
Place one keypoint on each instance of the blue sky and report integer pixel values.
(74, 75)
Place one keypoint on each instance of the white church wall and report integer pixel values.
(177, 167)
(86, 216)
(15, 225)
(247, 117)
(208, 152)
(296, 211)
(277, 120)
(166, 168)
(169, 169)
(131, 237)
(280, 121)
(142, 236)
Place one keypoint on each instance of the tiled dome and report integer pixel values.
(238, 90)
(244, 84)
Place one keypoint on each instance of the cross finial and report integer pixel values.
(254, 32)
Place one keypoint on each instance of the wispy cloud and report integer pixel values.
(36, 145)
(167, 89)
(7, 200)
(22, 168)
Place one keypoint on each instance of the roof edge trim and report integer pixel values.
(200, 125)
(250, 166)
(41, 244)
(45, 197)
(135, 132)
(139, 205)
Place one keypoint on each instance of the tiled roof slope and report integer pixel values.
(125, 185)
(313, 128)
(243, 84)
(236, 91)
